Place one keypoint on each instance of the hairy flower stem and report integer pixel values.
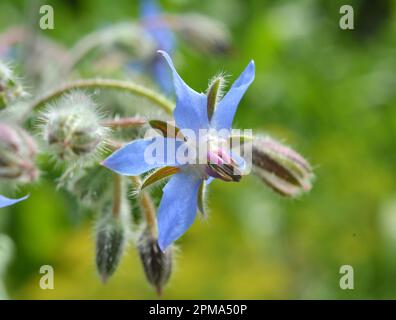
(147, 206)
(124, 122)
(119, 85)
(117, 195)
(145, 201)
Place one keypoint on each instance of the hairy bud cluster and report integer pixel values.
(280, 167)
(17, 154)
(72, 127)
(10, 87)
(157, 265)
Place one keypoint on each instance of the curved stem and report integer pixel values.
(145, 201)
(81, 49)
(147, 206)
(126, 32)
(111, 84)
(117, 195)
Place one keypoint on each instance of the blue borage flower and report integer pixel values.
(164, 38)
(179, 203)
(5, 202)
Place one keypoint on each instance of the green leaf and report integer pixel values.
(167, 129)
(158, 174)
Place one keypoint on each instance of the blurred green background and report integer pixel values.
(328, 93)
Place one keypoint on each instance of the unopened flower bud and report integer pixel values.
(17, 154)
(72, 127)
(157, 265)
(10, 87)
(203, 33)
(111, 239)
(281, 168)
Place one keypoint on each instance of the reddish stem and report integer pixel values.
(124, 122)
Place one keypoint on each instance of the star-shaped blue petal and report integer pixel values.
(178, 206)
(227, 107)
(5, 202)
(190, 111)
(143, 155)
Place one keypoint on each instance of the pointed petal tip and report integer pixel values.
(162, 245)
(167, 58)
(249, 73)
(6, 202)
(164, 54)
(252, 68)
(107, 164)
(130, 160)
